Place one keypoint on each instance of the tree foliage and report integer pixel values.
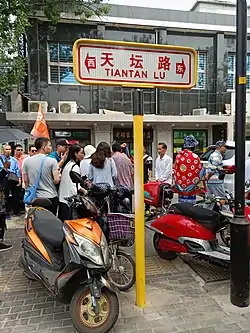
(14, 21)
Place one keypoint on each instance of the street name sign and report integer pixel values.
(104, 62)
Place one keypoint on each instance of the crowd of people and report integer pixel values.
(101, 164)
(51, 169)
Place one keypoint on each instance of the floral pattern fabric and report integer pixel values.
(187, 172)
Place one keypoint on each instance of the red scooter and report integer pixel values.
(159, 195)
(188, 228)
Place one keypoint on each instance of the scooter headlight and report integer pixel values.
(88, 249)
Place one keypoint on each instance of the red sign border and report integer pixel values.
(135, 50)
(159, 48)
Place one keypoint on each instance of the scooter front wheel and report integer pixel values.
(122, 272)
(83, 316)
(167, 255)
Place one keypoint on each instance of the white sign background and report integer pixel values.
(93, 56)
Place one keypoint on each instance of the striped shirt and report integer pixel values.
(124, 170)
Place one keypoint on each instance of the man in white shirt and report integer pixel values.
(164, 165)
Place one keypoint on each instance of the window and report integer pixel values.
(200, 135)
(202, 71)
(61, 63)
(231, 71)
(128, 35)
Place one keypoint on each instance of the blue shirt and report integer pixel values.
(105, 175)
(55, 156)
(13, 165)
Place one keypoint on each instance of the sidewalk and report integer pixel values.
(177, 301)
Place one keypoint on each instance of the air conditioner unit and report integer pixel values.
(34, 105)
(199, 112)
(67, 107)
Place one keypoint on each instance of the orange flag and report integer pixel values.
(40, 128)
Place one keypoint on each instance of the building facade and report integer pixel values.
(168, 113)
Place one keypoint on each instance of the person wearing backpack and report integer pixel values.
(67, 188)
(41, 174)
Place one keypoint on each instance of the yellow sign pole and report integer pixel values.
(139, 198)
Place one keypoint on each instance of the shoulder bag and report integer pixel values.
(30, 192)
(11, 175)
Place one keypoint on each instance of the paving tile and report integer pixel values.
(41, 319)
(204, 330)
(19, 322)
(29, 314)
(177, 302)
(24, 329)
(63, 330)
(227, 328)
(44, 305)
(52, 324)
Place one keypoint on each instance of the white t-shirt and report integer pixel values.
(164, 169)
(67, 188)
(84, 167)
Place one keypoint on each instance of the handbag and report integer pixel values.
(30, 191)
(2, 202)
(11, 175)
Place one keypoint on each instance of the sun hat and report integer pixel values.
(220, 144)
(190, 142)
(89, 150)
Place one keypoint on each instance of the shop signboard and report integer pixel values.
(126, 134)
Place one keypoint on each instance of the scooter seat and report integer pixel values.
(48, 228)
(206, 217)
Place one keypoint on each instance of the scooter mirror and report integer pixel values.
(76, 177)
(247, 183)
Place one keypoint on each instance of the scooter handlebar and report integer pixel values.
(212, 199)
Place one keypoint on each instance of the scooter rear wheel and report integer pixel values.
(83, 316)
(167, 255)
(21, 264)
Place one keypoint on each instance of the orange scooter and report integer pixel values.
(70, 259)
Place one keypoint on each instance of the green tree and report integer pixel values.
(14, 21)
